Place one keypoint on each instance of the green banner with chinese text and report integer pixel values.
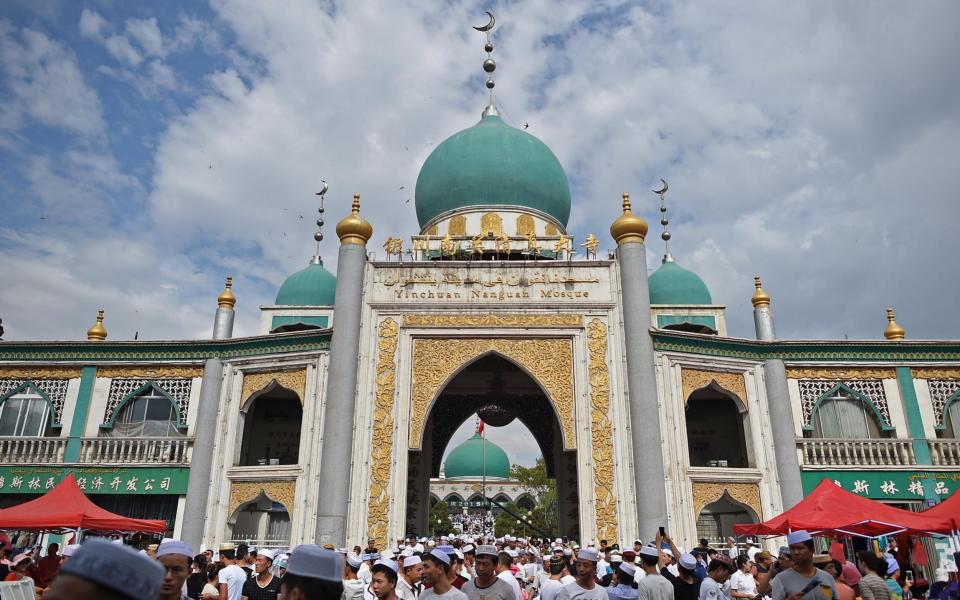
(33, 479)
(888, 485)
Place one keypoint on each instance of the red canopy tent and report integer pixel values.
(66, 507)
(948, 509)
(830, 510)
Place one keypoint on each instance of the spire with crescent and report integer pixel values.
(489, 65)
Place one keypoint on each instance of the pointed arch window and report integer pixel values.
(25, 414)
(843, 415)
(150, 413)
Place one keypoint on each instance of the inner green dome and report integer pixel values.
(672, 284)
(492, 163)
(313, 286)
(466, 460)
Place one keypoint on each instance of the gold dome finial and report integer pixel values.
(353, 229)
(893, 330)
(760, 297)
(628, 227)
(98, 332)
(226, 299)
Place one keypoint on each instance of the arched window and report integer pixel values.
(261, 522)
(716, 520)
(951, 420)
(717, 430)
(526, 502)
(149, 414)
(271, 430)
(842, 415)
(25, 414)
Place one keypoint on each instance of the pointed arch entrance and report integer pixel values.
(492, 383)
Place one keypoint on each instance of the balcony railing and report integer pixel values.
(945, 453)
(25, 450)
(826, 452)
(125, 451)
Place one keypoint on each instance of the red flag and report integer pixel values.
(480, 428)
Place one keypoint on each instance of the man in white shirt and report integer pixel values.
(353, 586)
(487, 585)
(504, 561)
(231, 576)
(550, 586)
(409, 586)
(436, 570)
(585, 586)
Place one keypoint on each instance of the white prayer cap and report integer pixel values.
(441, 556)
(486, 550)
(267, 554)
(628, 569)
(558, 541)
(386, 562)
(468, 548)
(353, 560)
(431, 543)
(753, 552)
(312, 561)
(459, 554)
(512, 553)
(389, 555)
(175, 547)
(418, 548)
(567, 552)
(117, 568)
(588, 554)
(407, 552)
(687, 561)
(615, 558)
(411, 561)
(798, 537)
(649, 551)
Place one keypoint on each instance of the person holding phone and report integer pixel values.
(804, 581)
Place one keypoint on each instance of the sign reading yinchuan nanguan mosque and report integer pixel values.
(96, 480)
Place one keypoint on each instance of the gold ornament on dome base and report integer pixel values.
(39, 372)
(491, 224)
(696, 379)
(295, 381)
(549, 361)
(354, 229)
(935, 373)
(525, 225)
(457, 225)
(707, 492)
(242, 492)
(601, 428)
(381, 446)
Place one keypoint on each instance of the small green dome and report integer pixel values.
(313, 286)
(467, 460)
(672, 284)
(492, 163)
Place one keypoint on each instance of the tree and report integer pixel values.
(440, 523)
(544, 489)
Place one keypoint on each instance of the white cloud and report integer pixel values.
(46, 84)
(92, 24)
(121, 49)
(147, 34)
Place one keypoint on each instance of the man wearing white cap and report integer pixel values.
(383, 579)
(436, 572)
(231, 576)
(313, 573)
(504, 562)
(352, 586)
(174, 556)
(585, 586)
(103, 571)
(624, 589)
(653, 586)
(263, 586)
(487, 585)
(803, 581)
(408, 585)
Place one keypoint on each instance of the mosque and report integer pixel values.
(330, 425)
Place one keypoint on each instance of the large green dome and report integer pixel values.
(467, 460)
(672, 284)
(313, 286)
(492, 163)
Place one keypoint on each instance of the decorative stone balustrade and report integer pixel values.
(825, 452)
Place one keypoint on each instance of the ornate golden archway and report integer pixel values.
(437, 360)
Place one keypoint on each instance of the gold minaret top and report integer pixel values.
(760, 297)
(226, 299)
(628, 227)
(354, 229)
(893, 330)
(98, 332)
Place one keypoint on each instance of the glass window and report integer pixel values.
(953, 419)
(24, 414)
(844, 416)
(151, 414)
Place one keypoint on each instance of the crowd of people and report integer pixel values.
(467, 567)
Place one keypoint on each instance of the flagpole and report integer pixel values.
(486, 502)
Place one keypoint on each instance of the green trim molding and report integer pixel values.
(908, 393)
(153, 351)
(889, 485)
(81, 407)
(806, 350)
(96, 480)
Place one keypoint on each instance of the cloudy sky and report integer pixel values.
(149, 149)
